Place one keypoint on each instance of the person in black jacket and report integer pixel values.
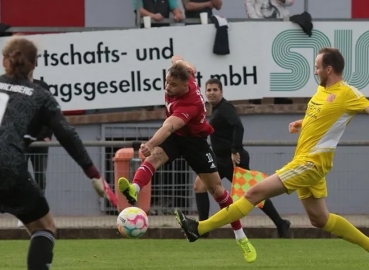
(25, 109)
(226, 142)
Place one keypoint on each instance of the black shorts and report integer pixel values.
(225, 165)
(23, 198)
(195, 150)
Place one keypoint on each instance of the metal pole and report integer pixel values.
(48, 30)
(306, 5)
(86, 143)
(136, 144)
(135, 162)
(294, 143)
(138, 14)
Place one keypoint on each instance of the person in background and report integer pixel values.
(227, 146)
(193, 8)
(328, 113)
(26, 108)
(159, 10)
(267, 9)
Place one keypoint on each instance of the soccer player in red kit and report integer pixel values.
(184, 133)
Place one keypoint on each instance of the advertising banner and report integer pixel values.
(126, 68)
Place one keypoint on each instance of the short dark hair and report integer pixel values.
(180, 71)
(20, 57)
(333, 57)
(215, 81)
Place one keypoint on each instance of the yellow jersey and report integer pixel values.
(328, 113)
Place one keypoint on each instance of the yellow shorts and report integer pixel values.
(304, 177)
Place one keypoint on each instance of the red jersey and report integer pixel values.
(191, 109)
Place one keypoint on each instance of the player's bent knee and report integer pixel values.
(317, 210)
(255, 191)
(46, 223)
(319, 218)
(157, 158)
(213, 183)
(253, 196)
(270, 187)
(216, 189)
(318, 222)
(199, 186)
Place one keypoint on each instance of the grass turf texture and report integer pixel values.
(179, 254)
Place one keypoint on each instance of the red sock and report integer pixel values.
(144, 174)
(223, 202)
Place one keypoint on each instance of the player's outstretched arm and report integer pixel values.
(366, 110)
(69, 139)
(71, 142)
(170, 125)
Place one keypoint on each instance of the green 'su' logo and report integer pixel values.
(299, 68)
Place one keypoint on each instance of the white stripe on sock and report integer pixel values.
(148, 169)
(224, 200)
(46, 234)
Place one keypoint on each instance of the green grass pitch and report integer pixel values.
(122, 254)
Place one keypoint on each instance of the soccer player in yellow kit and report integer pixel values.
(327, 115)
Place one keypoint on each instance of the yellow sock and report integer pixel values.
(227, 215)
(342, 228)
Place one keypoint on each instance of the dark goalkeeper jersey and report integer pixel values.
(25, 108)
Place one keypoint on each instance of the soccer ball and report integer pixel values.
(132, 222)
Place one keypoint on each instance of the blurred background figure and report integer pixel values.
(158, 10)
(265, 9)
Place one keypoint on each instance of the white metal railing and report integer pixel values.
(75, 204)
